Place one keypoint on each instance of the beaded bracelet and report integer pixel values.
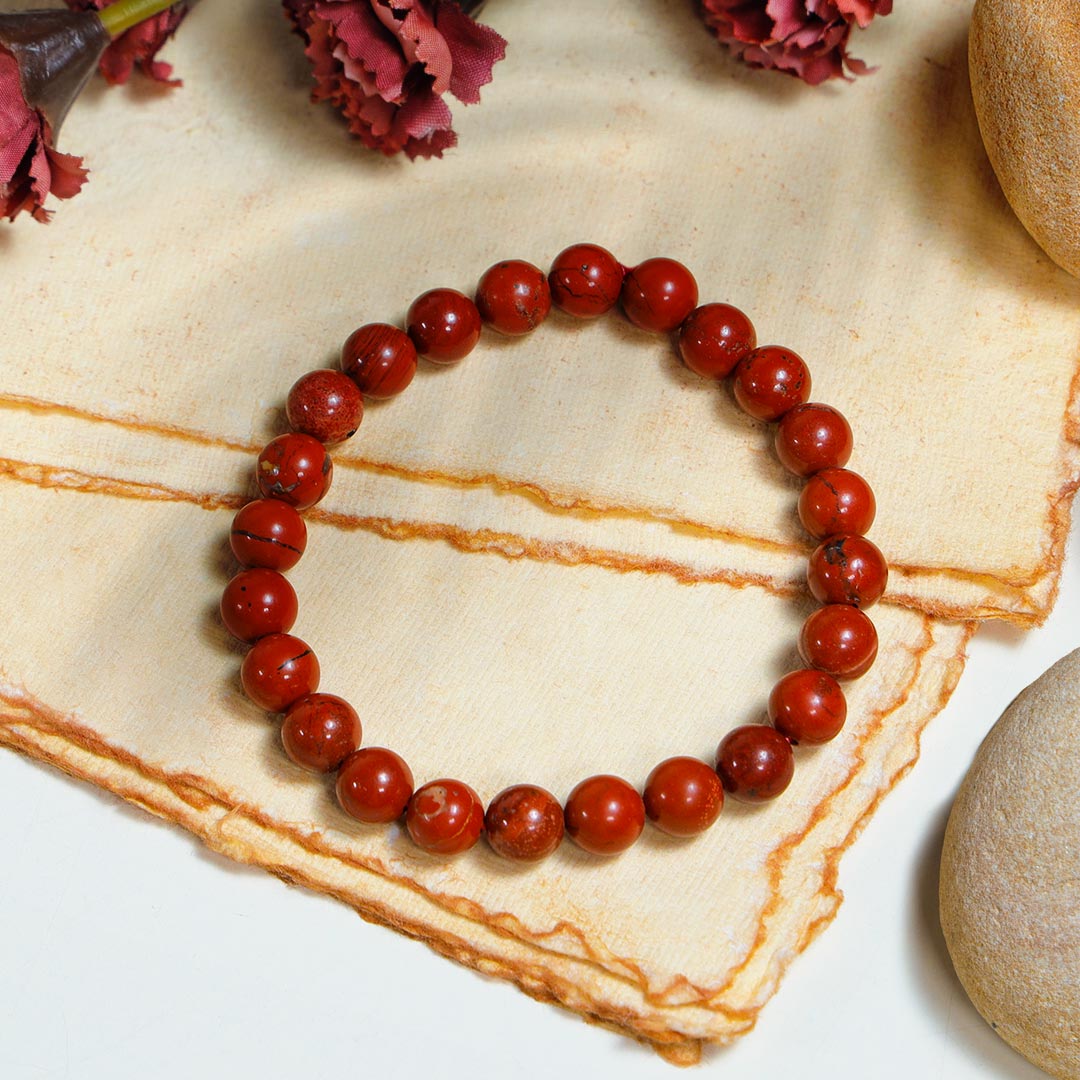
(604, 814)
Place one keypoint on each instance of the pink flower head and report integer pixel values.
(45, 59)
(807, 38)
(139, 45)
(29, 166)
(387, 66)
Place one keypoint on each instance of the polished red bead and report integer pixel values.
(755, 763)
(374, 785)
(524, 823)
(658, 294)
(445, 817)
(847, 569)
(513, 297)
(683, 796)
(320, 731)
(585, 280)
(380, 359)
(258, 602)
(807, 706)
(714, 338)
(839, 639)
(270, 533)
(813, 437)
(769, 381)
(604, 815)
(836, 501)
(278, 670)
(324, 404)
(444, 325)
(294, 468)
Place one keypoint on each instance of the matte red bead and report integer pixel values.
(445, 817)
(325, 404)
(604, 815)
(658, 294)
(524, 823)
(839, 639)
(847, 569)
(278, 670)
(374, 785)
(444, 325)
(755, 763)
(813, 437)
(320, 731)
(836, 501)
(769, 381)
(294, 468)
(683, 796)
(714, 338)
(258, 602)
(380, 359)
(585, 280)
(513, 297)
(807, 706)
(270, 533)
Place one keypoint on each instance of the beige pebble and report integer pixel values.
(1010, 873)
(1024, 57)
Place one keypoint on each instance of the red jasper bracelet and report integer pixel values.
(604, 814)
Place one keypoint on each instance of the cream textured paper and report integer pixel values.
(475, 675)
(564, 555)
(231, 237)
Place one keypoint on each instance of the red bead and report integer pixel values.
(604, 815)
(325, 404)
(807, 707)
(320, 731)
(714, 338)
(585, 280)
(524, 823)
(444, 325)
(836, 501)
(683, 796)
(445, 817)
(258, 602)
(270, 533)
(769, 381)
(513, 297)
(380, 359)
(374, 785)
(295, 469)
(813, 437)
(279, 670)
(659, 294)
(839, 639)
(847, 569)
(755, 763)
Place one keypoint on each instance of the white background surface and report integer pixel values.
(129, 950)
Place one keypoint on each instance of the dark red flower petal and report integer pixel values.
(475, 50)
(806, 38)
(387, 66)
(139, 46)
(29, 166)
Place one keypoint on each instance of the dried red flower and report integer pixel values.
(45, 59)
(387, 66)
(138, 46)
(807, 38)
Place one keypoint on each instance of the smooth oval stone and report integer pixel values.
(1010, 874)
(1024, 57)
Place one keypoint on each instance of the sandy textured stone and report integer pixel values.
(1025, 79)
(1010, 876)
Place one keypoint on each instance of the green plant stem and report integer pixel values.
(128, 13)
